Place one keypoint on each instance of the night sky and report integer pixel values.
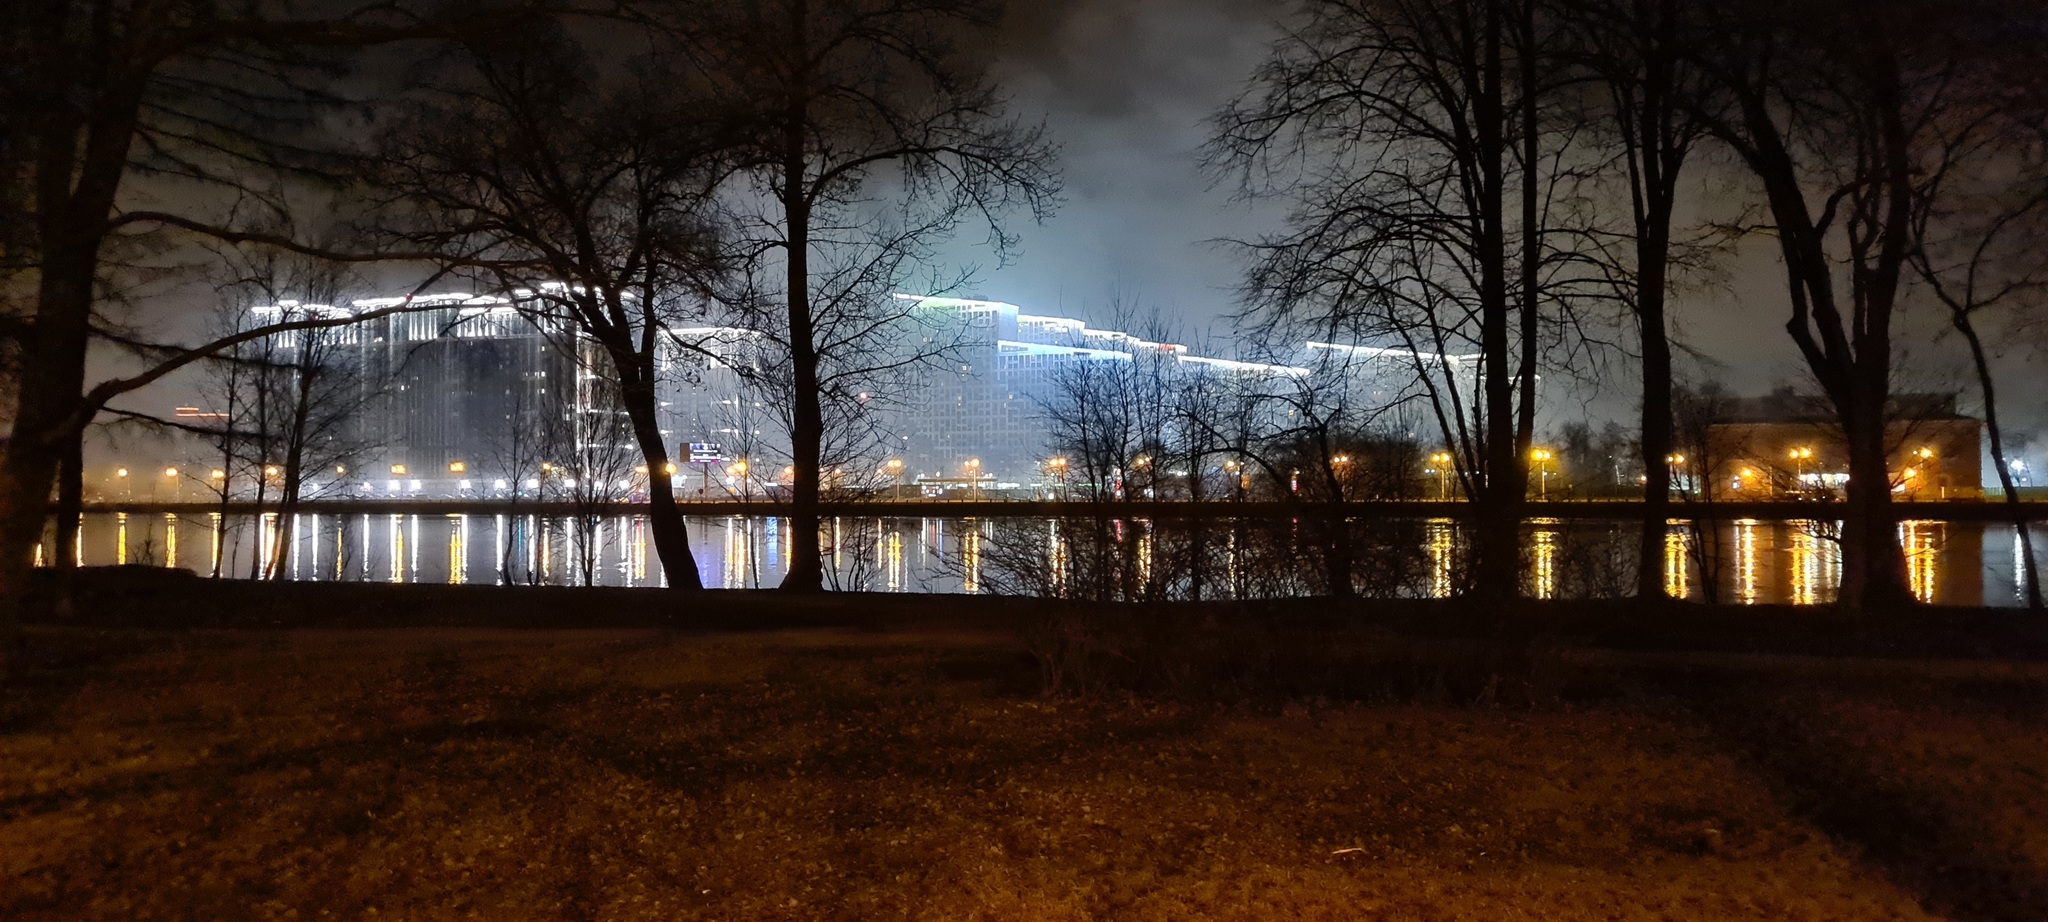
(1126, 87)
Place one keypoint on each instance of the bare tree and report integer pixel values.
(1638, 53)
(105, 98)
(1979, 252)
(1407, 136)
(583, 193)
(1837, 109)
(867, 131)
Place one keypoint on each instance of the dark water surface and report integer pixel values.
(1742, 561)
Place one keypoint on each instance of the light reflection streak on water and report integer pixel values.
(1145, 557)
(1056, 554)
(970, 556)
(895, 560)
(267, 537)
(458, 562)
(639, 550)
(78, 542)
(120, 538)
(2019, 567)
(1805, 566)
(1745, 561)
(1442, 551)
(366, 547)
(1230, 562)
(170, 540)
(736, 554)
(1545, 575)
(39, 554)
(1922, 541)
(1677, 561)
(394, 539)
(292, 548)
(835, 542)
(213, 545)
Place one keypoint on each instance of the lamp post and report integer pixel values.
(1674, 463)
(738, 471)
(219, 478)
(895, 469)
(974, 478)
(1442, 460)
(1057, 467)
(127, 488)
(1340, 467)
(1542, 458)
(1928, 460)
(1799, 458)
(177, 486)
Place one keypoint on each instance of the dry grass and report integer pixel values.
(432, 774)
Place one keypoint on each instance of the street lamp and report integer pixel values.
(1058, 468)
(1673, 462)
(127, 488)
(738, 471)
(974, 478)
(1799, 458)
(1927, 459)
(1442, 460)
(178, 486)
(1542, 458)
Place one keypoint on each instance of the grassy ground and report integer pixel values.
(913, 773)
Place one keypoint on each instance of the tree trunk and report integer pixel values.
(1657, 436)
(807, 423)
(664, 518)
(47, 395)
(2022, 530)
(1496, 565)
(1874, 565)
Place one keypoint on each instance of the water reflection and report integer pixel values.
(1743, 561)
(1442, 549)
(1543, 573)
(1677, 561)
(1922, 542)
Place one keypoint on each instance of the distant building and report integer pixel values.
(458, 382)
(1789, 445)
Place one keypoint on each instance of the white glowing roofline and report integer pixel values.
(1292, 371)
(1380, 351)
(1013, 347)
(938, 301)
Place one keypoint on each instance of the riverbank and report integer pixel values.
(906, 768)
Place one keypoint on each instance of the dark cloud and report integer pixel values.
(1126, 85)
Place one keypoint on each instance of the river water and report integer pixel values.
(1742, 561)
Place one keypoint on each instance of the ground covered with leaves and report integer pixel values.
(916, 774)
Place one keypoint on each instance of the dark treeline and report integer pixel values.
(1503, 180)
